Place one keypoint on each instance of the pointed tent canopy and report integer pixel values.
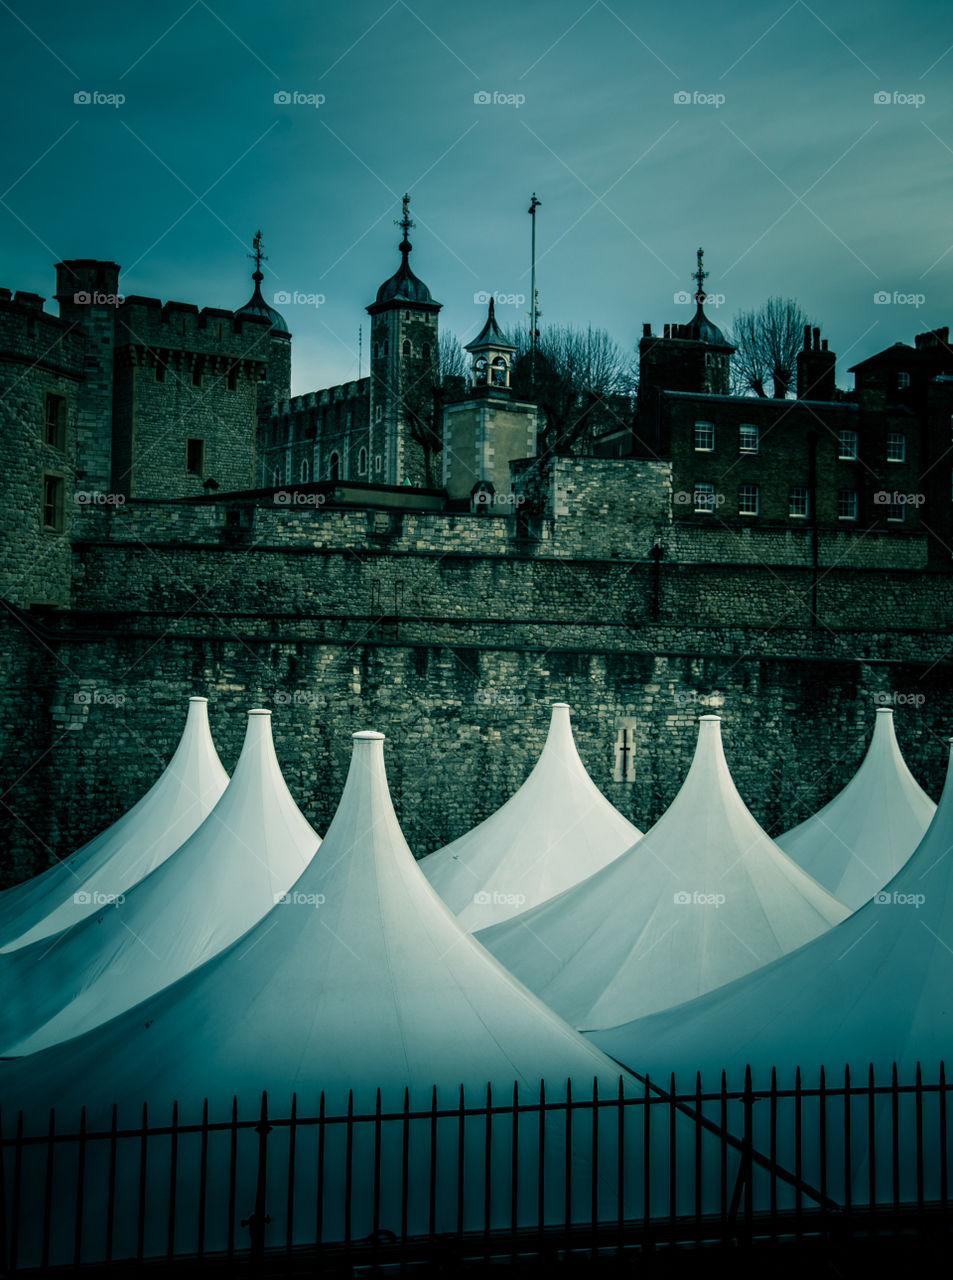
(874, 990)
(556, 830)
(862, 838)
(360, 986)
(126, 852)
(361, 978)
(248, 852)
(704, 897)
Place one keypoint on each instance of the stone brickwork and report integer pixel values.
(185, 375)
(311, 436)
(597, 507)
(87, 293)
(40, 356)
(464, 722)
(771, 544)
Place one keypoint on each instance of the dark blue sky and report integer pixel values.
(782, 163)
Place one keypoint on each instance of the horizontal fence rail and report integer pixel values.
(645, 1165)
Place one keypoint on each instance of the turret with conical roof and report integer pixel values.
(256, 304)
(276, 385)
(403, 364)
(492, 355)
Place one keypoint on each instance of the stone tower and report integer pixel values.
(403, 364)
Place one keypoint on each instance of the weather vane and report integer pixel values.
(258, 255)
(405, 223)
(700, 277)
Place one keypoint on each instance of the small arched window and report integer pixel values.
(377, 349)
(405, 348)
(425, 351)
(480, 371)
(334, 467)
(305, 471)
(499, 371)
(362, 463)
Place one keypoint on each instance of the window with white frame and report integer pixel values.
(896, 446)
(362, 463)
(847, 444)
(903, 381)
(896, 512)
(798, 501)
(847, 504)
(704, 437)
(704, 496)
(747, 438)
(748, 500)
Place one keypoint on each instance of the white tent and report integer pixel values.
(862, 838)
(123, 854)
(249, 851)
(702, 898)
(359, 986)
(877, 989)
(555, 831)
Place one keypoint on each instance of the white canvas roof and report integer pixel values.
(250, 850)
(555, 831)
(702, 898)
(877, 989)
(862, 838)
(359, 986)
(362, 978)
(123, 854)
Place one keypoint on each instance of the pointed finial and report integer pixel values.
(700, 276)
(259, 256)
(405, 224)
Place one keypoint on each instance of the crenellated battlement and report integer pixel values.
(148, 324)
(31, 336)
(345, 391)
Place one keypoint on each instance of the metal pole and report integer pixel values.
(533, 206)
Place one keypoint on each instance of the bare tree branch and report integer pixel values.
(584, 383)
(766, 345)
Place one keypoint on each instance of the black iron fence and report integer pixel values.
(646, 1165)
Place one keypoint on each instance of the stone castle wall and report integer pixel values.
(39, 355)
(93, 716)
